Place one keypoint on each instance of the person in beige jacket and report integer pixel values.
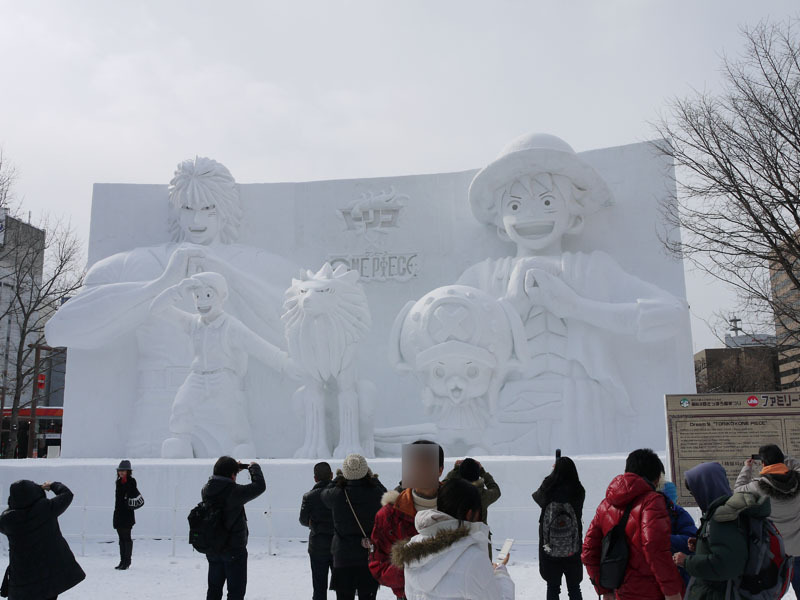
(779, 479)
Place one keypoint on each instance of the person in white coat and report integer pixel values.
(447, 559)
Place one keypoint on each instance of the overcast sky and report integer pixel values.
(299, 90)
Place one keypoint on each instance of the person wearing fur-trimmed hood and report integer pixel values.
(395, 521)
(447, 558)
(779, 480)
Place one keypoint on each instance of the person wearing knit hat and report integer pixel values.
(354, 499)
(355, 467)
(575, 305)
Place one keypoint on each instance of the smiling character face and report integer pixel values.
(207, 301)
(458, 378)
(204, 205)
(535, 213)
(199, 222)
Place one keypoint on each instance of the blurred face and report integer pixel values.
(459, 379)
(207, 301)
(122, 474)
(421, 466)
(537, 218)
(199, 222)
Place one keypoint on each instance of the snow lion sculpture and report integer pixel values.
(326, 315)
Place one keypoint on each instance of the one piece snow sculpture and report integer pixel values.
(209, 415)
(575, 305)
(204, 220)
(326, 316)
(461, 342)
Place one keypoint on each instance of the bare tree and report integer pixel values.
(40, 266)
(8, 175)
(739, 370)
(737, 155)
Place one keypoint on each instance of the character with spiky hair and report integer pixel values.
(326, 315)
(209, 416)
(111, 310)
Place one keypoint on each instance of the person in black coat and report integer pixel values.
(357, 491)
(230, 564)
(319, 519)
(40, 563)
(127, 499)
(562, 486)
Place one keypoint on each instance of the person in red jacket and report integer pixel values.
(651, 573)
(395, 522)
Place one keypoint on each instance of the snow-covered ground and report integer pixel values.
(284, 574)
(156, 574)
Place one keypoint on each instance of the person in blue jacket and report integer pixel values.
(683, 526)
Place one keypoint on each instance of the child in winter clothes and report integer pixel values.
(447, 559)
(683, 527)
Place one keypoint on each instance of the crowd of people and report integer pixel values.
(429, 538)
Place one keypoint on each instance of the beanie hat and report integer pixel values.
(355, 467)
(124, 465)
(670, 491)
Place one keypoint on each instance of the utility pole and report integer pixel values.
(734, 321)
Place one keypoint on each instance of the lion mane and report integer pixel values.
(322, 342)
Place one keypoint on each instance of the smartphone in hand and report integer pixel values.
(502, 558)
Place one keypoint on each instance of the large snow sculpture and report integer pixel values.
(326, 315)
(575, 305)
(204, 221)
(461, 342)
(209, 415)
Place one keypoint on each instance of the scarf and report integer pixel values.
(421, 503)
(776, 469)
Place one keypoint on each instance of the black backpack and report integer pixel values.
(207, 532)
(614, 554)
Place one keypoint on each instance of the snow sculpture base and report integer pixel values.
(172, 487)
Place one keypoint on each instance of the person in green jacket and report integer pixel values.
(721, 546)
(472, 471)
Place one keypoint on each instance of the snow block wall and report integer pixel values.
(172, 488)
